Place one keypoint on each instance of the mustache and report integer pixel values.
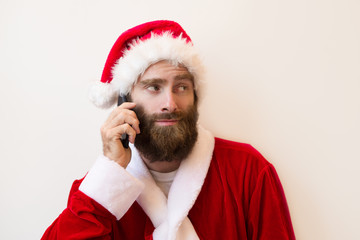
(167, 116)
(139, 110)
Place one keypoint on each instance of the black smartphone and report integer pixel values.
(124, 138)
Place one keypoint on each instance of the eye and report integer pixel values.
(153, 88)
(182, 88)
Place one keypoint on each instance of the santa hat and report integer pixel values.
(138, 48)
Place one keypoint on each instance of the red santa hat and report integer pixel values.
(137, 49)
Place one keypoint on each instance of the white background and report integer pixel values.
(283, 76)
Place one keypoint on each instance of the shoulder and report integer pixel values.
(237, 168)
(237, 149)
(238, 156)
(223, 144)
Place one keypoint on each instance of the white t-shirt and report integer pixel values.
(164, 180)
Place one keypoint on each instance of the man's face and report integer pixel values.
(164, 88)
(166, 108)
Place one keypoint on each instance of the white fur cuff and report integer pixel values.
(112, 186)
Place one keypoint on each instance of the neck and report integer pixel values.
(162, 166)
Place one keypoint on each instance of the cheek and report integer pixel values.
(186, 102)
(150, 105)
(137, 97)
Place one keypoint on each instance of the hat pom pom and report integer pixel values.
(102, 95)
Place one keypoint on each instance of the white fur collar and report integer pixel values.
(168, 215)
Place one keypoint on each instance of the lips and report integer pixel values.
(166, 122)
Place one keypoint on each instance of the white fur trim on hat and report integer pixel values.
(102, 95)
(141, 55)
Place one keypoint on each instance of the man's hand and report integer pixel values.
(121, 120)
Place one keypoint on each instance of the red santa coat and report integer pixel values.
(237, 196)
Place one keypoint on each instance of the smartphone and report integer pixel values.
(124, 138)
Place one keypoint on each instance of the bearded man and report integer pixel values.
(176, 181)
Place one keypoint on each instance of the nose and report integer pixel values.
(169, 103)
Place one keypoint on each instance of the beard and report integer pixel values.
(166, 143)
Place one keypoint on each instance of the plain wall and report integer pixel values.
(283, 76)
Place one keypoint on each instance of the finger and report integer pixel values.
(129, 130)
(128, 105)
(125, 116)
(117, 132)
(117, 110)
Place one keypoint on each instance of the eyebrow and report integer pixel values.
(152, 81)
(186, 76)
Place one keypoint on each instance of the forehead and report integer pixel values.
(166, 70)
